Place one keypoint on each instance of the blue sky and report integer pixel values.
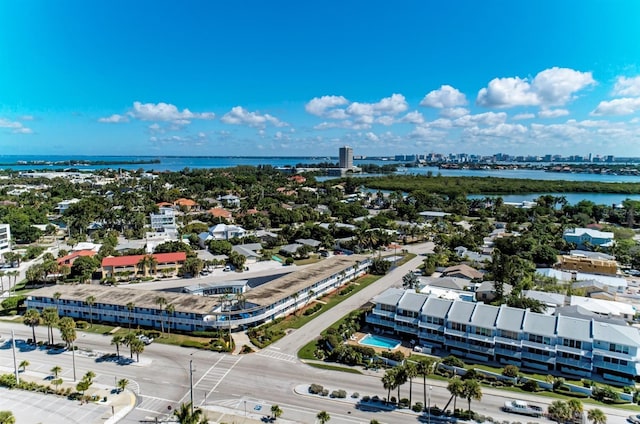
(303, 78)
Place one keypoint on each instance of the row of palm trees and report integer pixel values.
(9, 275)
(572, 410)
(132, 341)
(395, 377)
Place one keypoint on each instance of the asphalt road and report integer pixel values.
(250, 384)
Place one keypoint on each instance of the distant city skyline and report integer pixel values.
(302, 79)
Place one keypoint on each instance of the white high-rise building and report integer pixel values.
(5, 238)
(346, 157)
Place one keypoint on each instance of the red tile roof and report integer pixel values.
(185, 202)
(220, 213)
(73, 255)
(135, 259)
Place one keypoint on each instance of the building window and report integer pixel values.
(509, 334)
(618, 348)
(576, 344)
(483, 331)
(539, 339)
(458, 327)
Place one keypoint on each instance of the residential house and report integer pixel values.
(69, 259)
(165, 218)
(62, 206)
(186, 204)
(226, 232)
(290, 249)
(486, 291)
(221, 213)
(462, 271)
(230, 200)
(314, 244)
(584, 237)
(587, 264)
(251, 251)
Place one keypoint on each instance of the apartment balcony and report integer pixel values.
(454, 343)
(547, 348)
(451, 332)
(382, 313)
(580, 364)
(507, 341)
(581, 352)
(538, 358)
(507, 352)
(423, 324)
(410, 320)
(608, 353)
(431, 337)
(630, 368)
(375, 320)
(479, 337)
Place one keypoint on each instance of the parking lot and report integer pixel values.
(50, 409)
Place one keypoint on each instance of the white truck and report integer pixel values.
(523, 408)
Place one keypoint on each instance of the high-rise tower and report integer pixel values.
(346, 157)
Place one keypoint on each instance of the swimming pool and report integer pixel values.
(377, 341)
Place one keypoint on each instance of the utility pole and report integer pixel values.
(15, 361)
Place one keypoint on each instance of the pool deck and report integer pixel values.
(355, 340)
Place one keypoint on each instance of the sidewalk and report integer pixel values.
(240, 339)
(117, 404)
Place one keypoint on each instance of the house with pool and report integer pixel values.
(235, 308)
(594, 347)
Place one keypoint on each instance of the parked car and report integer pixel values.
(227, 268)
(144, 339)
(634, 419)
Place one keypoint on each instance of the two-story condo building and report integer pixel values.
(563, 344)
(277, 298)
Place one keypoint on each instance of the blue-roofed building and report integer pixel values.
(585, 237)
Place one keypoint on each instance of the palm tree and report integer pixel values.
(276, 411)
(136, 346)
(170, 309)
(400, 378)
(122, 384)
(161, 301)
(117, 340)
(6, 417)
(471, 390)
(295, 302)
(32, 319)
(576, 409)
(411, 371)
(596, 416)
(186, 414)
(323, 417)
(130, 307)
(50, 318)
(56, 297)
(425, 366)
(24, 364)
(56, 370)
(388, 381)
(90, 301)
(68, 333)
(57, 382)
(455, 387)
(559, 411)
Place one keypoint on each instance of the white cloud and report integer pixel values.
(454, 112)
(15, 127)
(114, 119)
(444, 97)
(522, 116)
(320, 106)
(487, 119)
(22, 130)
(371, 137)
(414, 117)
(551, 87)
(507, 92)
(627, 87)
(239, 115)
(623, 106)
(388, 105)
(165, 112)
(552, 113)
(500, 130)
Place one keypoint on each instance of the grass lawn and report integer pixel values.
(334, 368)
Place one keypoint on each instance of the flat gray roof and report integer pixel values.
(618, 334)
(542, 325)
(390, 296)
(289, 284)
(461, 312)
(436, 307)
(121, 296)
(574, 328)
(412, 301)
(510, 319)
(484, 315)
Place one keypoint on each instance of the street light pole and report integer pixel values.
(429, 405)
(191, 383)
